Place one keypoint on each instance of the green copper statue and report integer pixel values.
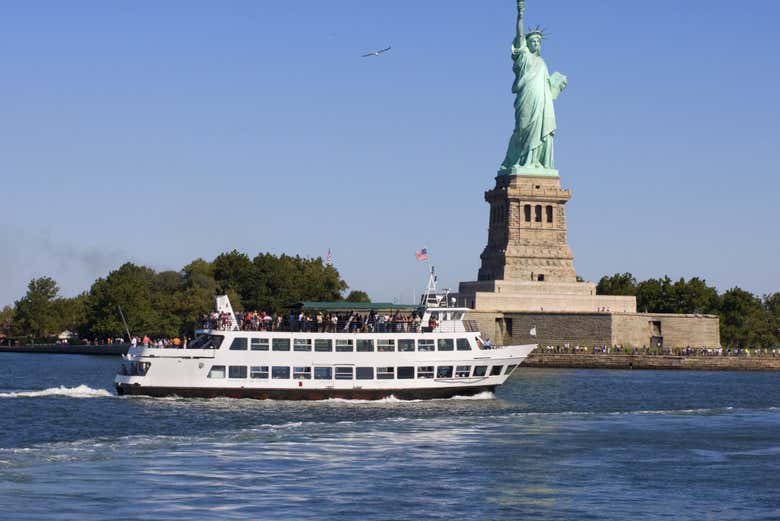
(531, 147)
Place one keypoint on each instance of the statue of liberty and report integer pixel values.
(531, 145)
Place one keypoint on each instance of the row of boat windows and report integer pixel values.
(264, 372)
(348, 345)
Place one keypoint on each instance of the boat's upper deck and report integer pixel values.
(433, 315)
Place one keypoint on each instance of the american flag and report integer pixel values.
(422, 255)
(329, 258)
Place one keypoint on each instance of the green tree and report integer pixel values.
(6, 319)
(694, 296)
(617, 284)
(34, 313)
(200, 274)
(71, 314)
(358, 296)
(745, 321)
(233, 270)
(655, 296)
(772, 306)
(276, 282)
(197, 297)
(131, 287)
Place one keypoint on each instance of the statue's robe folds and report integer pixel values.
(531, 144)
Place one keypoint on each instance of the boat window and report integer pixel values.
(463, 371)
(302, 344)
(446, 344)
(323, 373)
(365, 346)
(496, 370)
(139, 368)
(344, 345)
(259, 372)
(259, 344)
(281, 344)
(405, 344)
(405, 373)
(206, 342)
(480, 370)
(385, 373)
(426, 345)
(463, 344)
(364, 373)
(238, 344)
(425, 371)
(280, 373)
(385, 345)
(217, 371)
(237, 371)
(510, 368)
(323, 345)
(444, 371)
(301, 373)
(344, 373)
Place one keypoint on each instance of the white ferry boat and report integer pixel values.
(441, 358)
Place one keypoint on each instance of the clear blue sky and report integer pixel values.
(159, 132)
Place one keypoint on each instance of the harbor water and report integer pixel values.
(550, 444)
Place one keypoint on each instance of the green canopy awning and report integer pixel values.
(351, 306)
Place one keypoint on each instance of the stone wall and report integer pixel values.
(621, 361)
(597, 329)
(635, 329)
(551, 328)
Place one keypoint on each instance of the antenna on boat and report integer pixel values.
(129, 336)
(430, 290)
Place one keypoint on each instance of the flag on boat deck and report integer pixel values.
(329, 258)
(422, 255)
(533, 331)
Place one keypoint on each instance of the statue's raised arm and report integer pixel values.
(519, 42)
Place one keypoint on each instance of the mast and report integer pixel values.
(429, 297)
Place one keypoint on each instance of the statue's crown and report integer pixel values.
(542, 33)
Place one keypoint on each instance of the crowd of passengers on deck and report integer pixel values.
(350, 322)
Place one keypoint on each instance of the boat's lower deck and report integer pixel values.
(304, 394)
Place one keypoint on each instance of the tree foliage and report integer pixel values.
(34, 313)
(617, 284)
(171, 303)
(6, 319)
(745, 319)
(358, 296)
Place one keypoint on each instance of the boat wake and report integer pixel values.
(487, 395)
(82, 391)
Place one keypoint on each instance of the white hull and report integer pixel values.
(302, 372)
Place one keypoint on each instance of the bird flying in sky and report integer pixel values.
(377, 53)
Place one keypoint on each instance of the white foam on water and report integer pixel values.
(649, 412)
(486, 395)
(82, 391)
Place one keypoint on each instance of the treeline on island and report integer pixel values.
(167, 304)
(171, 303)
(746, 320)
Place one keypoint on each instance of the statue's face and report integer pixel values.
(535, 43)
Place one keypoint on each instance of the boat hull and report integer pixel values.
(303, 394)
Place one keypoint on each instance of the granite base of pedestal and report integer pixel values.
(565, 297)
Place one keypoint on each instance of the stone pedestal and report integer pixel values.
(527, 265)
(527, 234)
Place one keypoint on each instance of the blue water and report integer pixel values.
(551, 444)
